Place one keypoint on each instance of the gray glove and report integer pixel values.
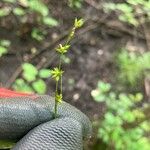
(29, 120)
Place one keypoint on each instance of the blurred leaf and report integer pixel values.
(3, 50)
(135, 2)
(18, 11)
(128, 116)
(104, 87)
(37, 34)
(110, 118)
(145, 125)
(99, 97)
(109, 6)
(38, 6)
(29, 76)
(24, 3)
(29, 68)
(4, 11)
(138, 97)
(5, 43)
(116, 136)
(138, 113)
(75, 3)
(10, 1)
(21, 85)
(132, 66)
(29, 72)
(44, 73)
(129, 18)
(124, 7)
(39, 86)
(50, 21)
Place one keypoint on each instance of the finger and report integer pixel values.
(19, 115)
(59, 134)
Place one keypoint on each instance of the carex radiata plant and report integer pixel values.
(57, 72)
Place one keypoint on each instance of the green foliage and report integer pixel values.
(21, 85)
(3, 50)
(121, 128)
(10, 1)
(49, 21)
(38, 34)
(39, 86)
(4, 45)
(18, 11)
(29, 72)
(75, 3)
(32, 80)
(132, 66)
(4, 12)
(100, 96)
(44, 73)
(38, 6)
(22, 9)
(130, 11)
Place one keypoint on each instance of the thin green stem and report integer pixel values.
(61, 84)
(60, 67)
(56, 103)
(55, 114)
(58, 92)
(60, 62)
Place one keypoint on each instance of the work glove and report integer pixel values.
(29, 120)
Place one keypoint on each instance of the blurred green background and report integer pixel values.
(107, 70)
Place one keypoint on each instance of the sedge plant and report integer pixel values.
(57, 72)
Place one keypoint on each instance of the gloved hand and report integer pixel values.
(28, 119)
